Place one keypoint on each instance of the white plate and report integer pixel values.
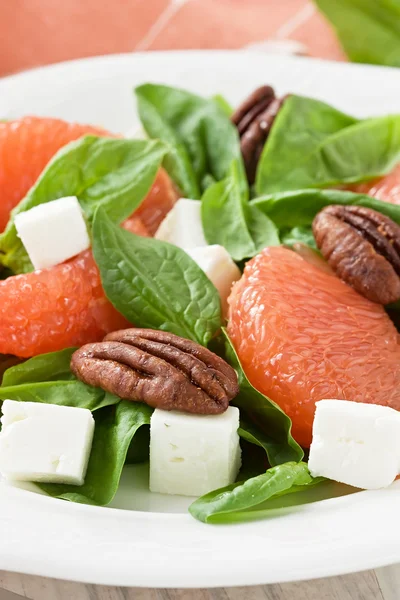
(155, 543)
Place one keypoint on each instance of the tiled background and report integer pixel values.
(37, 32)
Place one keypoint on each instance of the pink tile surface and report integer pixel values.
(319, 37)
(225, 23)
(35, 32)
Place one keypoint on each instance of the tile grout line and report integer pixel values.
(157, 27)
(302, 16)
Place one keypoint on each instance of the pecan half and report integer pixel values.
(256, 103)
(254, 119)
(363, 247)
(158, 368)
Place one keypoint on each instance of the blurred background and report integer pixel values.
(38, 32)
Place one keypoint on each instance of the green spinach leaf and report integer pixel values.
(230, 504)
(115, 428)
(293, 212)
(154, 284)
(47, 378)
(113, 173)
(369, 31)
(44, 367)
(63, 392)
(229, 220)
(251, 433)
(139, 450)
(312, 145)
(224, 104)
(254, 407)
(302, 235)
(200, 137)
(6, 362)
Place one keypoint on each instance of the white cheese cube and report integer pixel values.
(53, 232)
(191, 455)
(219, 267)
(45, 442)
(182, 226)
(355, 443)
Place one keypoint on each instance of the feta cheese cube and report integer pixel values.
(53, 232)
(217, 264)
(355, 443)
(182, 226)
(191, 455)
(45, 442)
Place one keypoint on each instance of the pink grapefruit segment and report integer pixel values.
(26, 146)
(63, 306)
(385, 188)
(55, 308)
(303, 335)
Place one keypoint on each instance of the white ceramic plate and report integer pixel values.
(147, 539)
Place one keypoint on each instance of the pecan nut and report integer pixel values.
(363, 248)
(254, 119)
(158, 368)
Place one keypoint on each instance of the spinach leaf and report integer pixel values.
(113, 173)
(115, 428)
(63, 392)
(4, 273)
(139, 450)
(301, 126)
(303, 235)
(201, 139)
(254, 459)
(154, 284)
(224, 104)
(369, 31)
(229, 220)
(47, 378)
(251, 433)
(44, 367)
(268, 416)
(293, 212)
(231, 503)
(312, 145)
(6, 362)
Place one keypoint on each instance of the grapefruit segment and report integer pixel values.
(26, 146)
(55, 308)
(385, 188)
(303, 335)
(63, 306)
(158, 202)
(135, 225)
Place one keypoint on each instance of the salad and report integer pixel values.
(218, 294)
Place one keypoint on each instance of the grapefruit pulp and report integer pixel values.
(26, 146)
(303, 335)
(63, 306)
(385, 188)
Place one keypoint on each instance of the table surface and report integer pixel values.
(381, 584)
(48, 31)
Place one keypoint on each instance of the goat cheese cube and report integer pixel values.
(182, 226)
(219, 267)
(355, 443)
(191, 455)
(45, 442)
(53, 232)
